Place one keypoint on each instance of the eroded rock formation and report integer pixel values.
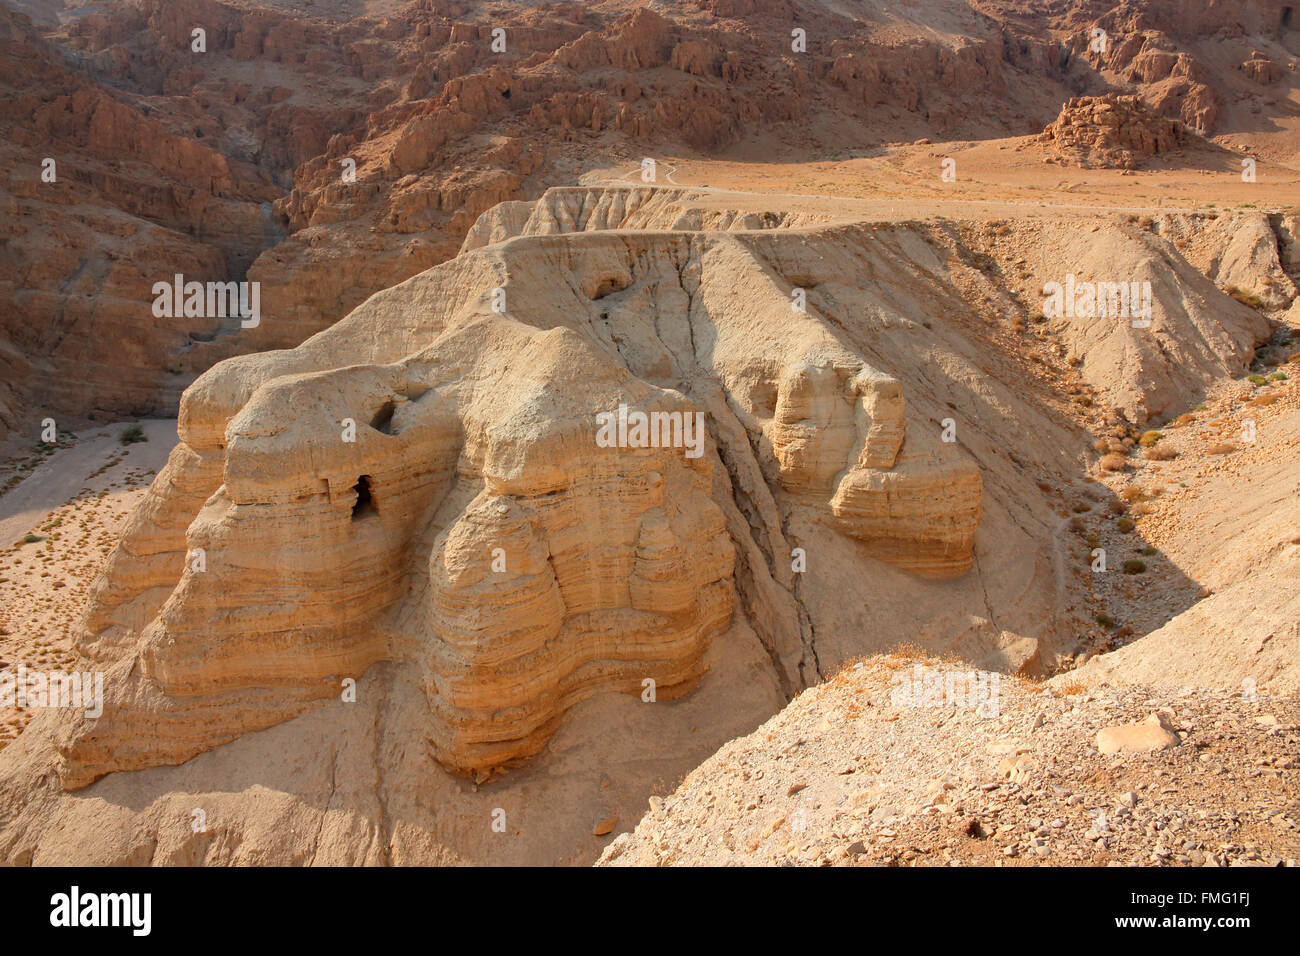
(422, 483)
(501, 584)
(1112, 130)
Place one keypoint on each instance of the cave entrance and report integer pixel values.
(383, 420)
(365, 503)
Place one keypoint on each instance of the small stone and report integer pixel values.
(1154, 733)
(1015, 768)
(605, 826)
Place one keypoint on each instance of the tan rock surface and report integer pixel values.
(1154, 733)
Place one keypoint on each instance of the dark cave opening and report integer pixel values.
(365, 503)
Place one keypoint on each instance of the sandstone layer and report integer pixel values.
(444, 502)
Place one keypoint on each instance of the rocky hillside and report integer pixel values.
(332, 150)
(865, 770)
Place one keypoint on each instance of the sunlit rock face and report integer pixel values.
(428, 483)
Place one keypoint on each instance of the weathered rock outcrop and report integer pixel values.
(1112, 130)
(100, 201)
(426, 483)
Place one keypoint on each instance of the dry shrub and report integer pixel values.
(1149, 439)
(1125, 525)
(1184, 420)
(1160, 453)
(1114, 462)
(1101, 446)
(1268, 398)
(1134, 493)
(1222, 448)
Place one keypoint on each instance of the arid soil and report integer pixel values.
(73, 504)
(846, 777)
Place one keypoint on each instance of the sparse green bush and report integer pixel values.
(1133, 566)
(1244, 297)
(131, 435)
